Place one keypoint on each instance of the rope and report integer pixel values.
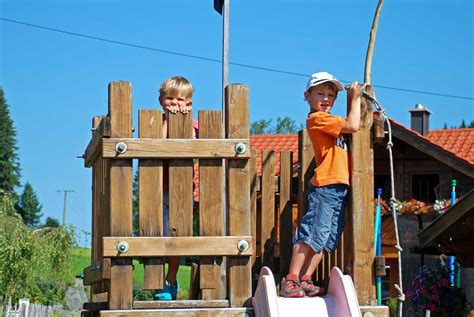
(399, 287)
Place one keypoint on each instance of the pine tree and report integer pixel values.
(51, 223)
(9, 164)
(29, 207)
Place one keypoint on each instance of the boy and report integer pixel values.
(323, 222)
(175, 96)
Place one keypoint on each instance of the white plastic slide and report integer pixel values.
(340, 300)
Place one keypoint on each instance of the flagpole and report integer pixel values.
(225, 53)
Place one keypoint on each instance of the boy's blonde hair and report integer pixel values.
(177, 85)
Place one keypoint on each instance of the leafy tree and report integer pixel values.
(9, 164)
(284, 125)
(34, 264)
(51, 222)
(261, 127)
(463, 124)
(29, 207)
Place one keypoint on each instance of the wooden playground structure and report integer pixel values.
(231, 227)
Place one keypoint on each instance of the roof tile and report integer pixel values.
(458, 141)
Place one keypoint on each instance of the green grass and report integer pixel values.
(81, 258)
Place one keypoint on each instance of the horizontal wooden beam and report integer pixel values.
(433, 150)
(376, 311)
(94, 147)
(221, 303)
(100, 297)
(148, 247)
(196, 312)
(95, 306)
(175, 148)
(97, 272)
(431, 234)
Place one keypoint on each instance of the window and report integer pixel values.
(423, 187)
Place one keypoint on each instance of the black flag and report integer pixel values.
(218, 5)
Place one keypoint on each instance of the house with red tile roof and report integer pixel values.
(443, 154)
(425, 163)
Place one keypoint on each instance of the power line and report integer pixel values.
(215, 60)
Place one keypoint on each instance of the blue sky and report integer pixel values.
(56, 82)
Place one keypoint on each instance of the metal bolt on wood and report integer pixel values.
(121, 147)
(122, 247)
(243, 245)
(240, 148)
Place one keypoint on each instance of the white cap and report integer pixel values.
(323, 77)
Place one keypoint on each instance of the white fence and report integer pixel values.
(25, 309)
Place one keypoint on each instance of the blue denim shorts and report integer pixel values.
(323, 223)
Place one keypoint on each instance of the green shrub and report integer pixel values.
(33, 263)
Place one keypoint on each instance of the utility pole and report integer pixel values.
(223, 8)
(65, 202)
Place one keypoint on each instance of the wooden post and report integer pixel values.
(180, 178)
(210, 202)
(121, 175)
(238, 194)
(306, 171)
(97, 211)
(253, 212)
(150, 187)
(360, 214)
(286, 211)
(267, 188)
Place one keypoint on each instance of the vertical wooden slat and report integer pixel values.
(253, 212)
(150, 188)
(121, 177)
(361, 206)
(238, 194)
(327, 266)
(210, 202)
(286, 211)
(306, 170)
(268, 208)
(97, 234)
(180, 178)
(106, 211)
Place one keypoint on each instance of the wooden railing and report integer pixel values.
(110, 154)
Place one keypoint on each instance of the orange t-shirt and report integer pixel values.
(330, 149)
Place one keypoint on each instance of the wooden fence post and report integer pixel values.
(150, 187)
(360, 208)
(306, 170)
(267, 188)
(121, 177)
(286, 211)
(180, 178)
(238, 195)
(210, 202)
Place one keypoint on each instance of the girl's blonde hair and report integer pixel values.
(177, 85)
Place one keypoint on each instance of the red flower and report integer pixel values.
(435, 298)
(445, 282)
(423, 292)
(431, 307)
